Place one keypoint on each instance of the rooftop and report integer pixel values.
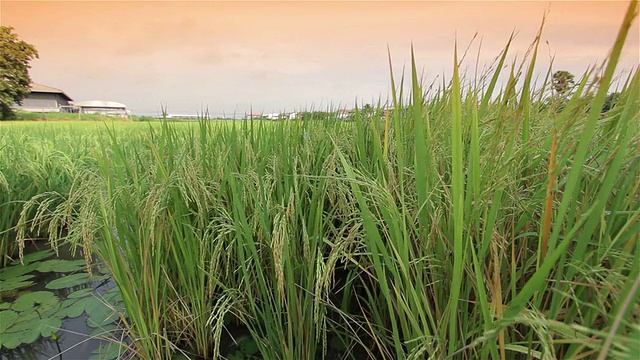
(39, 88)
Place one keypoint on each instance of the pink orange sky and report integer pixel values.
(266, 56)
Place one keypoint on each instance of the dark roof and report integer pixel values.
(38, 88)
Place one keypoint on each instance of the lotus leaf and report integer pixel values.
(80, 293)
(38, 300)
(61, 265)
(68, 302)
(30, 331)
(24, 322)
(14, 271)
(7, 318)
(10, 340)
(108, 351)
(68, 281)
(55, 311)
(113, 296)
(30, 334)
(41, 313)
(15, 283)
(33, 257)
(48, 326)
(101, 316)
(75, 307)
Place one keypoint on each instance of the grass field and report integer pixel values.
(476, 223)
(58, 116)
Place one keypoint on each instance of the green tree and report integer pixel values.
(367, 109)
(611, 101)
(562, 82)
(15, 56)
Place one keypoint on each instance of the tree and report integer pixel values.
(562, 81)
(611, 101)
(15, 56)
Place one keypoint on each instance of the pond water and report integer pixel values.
(51, 308)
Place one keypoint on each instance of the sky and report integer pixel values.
(276, 56)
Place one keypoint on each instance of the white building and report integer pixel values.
(272, 116)
(102, 107)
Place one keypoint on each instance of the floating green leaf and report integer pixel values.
(113, 296)
(68, 281)
(61, 265)
(7, 318)
(89, 304)
(101, 315)
(108, 351)
(52, 311)
(33, 257)
(15, 283)
(24, 328)
(30, 334)
(10, 340)
(24, 322)
(80, 293)
(38, 300)
(14, 271)
(74, 307)
(48, 326)
(4, 305)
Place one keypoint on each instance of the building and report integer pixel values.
(101, 107)
(272, 116)
(280, 116)
(344, 114)
(44, 99)
(182, 117)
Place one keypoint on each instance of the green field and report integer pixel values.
(58, 116)
(476, 223)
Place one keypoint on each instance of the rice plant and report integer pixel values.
(466, 222)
